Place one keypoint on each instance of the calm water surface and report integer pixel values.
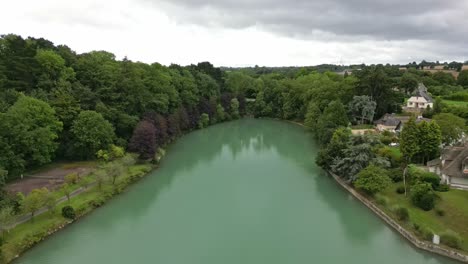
(241, 192)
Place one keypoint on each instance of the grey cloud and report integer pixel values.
(333, 19)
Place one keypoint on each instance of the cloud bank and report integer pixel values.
(249, 32)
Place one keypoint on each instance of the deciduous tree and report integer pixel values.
(34, 201)
(409, 146)
(452, 127)
(312, 116)
(91, 132)
(143, 140)
(362, 109)
(333, 117)
(372, 180)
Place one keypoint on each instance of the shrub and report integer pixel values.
(427, 201)
(402, 213)
(414, 174)
(400, 189)
(382, 200)
(426, 233)
(204, 120)
(392, 155)
(440, 212)
(422, 196)
(68, 212)
(423, 231)
(396, 174)
(372, 180)
(72, 178)
(451, 239)
(431, 178)
(443, 188)
(386, 140)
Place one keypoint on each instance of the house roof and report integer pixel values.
(451, 153)
(434, 162)
(405, 119)
(455, 158)
(454, 168)
(422, 92)
(388, 120)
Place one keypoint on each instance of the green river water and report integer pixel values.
(243, 192)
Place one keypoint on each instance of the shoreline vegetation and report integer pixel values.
(391, 220)
(396, 225)
(27, 234)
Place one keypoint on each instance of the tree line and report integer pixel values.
(57, 104)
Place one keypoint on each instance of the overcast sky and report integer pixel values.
(250, 32)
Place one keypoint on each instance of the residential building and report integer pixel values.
(389, 122)
(421, 100)
(395, 123)
(452, 166)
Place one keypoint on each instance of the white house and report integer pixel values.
(452, 167)
(421, 100)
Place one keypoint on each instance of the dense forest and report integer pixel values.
(56, 104)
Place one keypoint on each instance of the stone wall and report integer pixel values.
(405, 233)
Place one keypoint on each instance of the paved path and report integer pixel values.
(27, 217)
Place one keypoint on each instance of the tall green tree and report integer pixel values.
(452, 127)
(31, 130)
(375, 82)
(362, 109)
(430, 139)
(333, 117)
(463, 78)
(334, 150)
(408, 83)
(409, 146)
(91, 132)
(312, 116)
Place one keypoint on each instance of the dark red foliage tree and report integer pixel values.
(184, 119)
(160, 125)
(241, 99)
(226, 101)
(173, 126)
(161, 130)
(207, 106)
(143, 140)
(193, 117)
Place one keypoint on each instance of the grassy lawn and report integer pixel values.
(454, 204)
(25, 235)
(455, 103)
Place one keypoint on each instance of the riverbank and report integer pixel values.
(437, 249)
(27, 234)
(399, 227)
